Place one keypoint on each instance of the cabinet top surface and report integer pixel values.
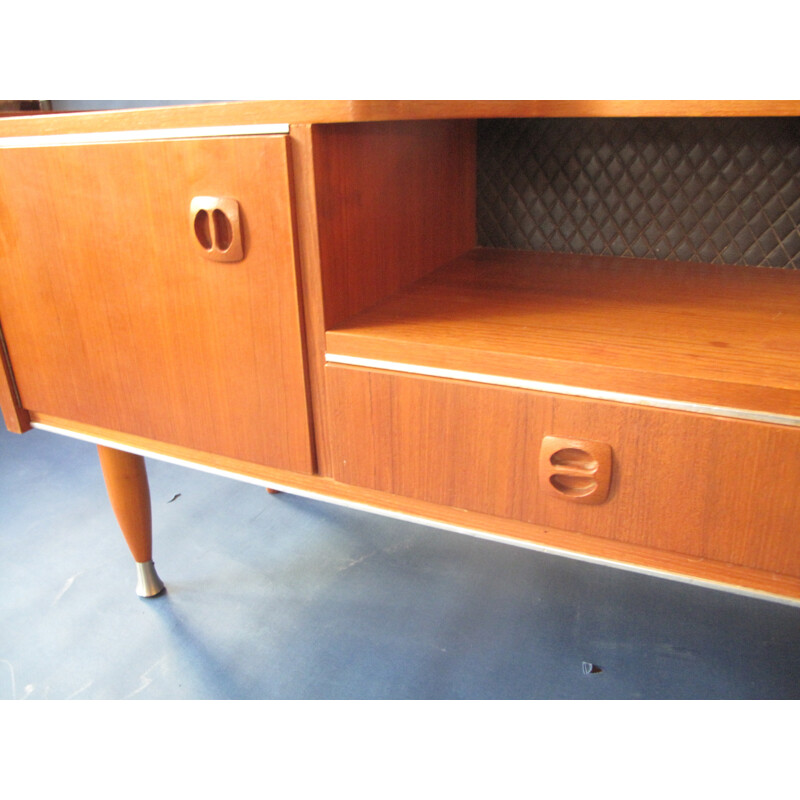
(322, 111)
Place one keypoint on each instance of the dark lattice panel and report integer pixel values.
(710, 190)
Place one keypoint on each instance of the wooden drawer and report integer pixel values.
(701, 486)
(115, 316)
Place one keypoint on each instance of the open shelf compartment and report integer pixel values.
(694, 333)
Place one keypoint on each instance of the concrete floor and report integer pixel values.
(276, 596)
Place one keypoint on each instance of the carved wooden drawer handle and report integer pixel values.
(575, 469)
(216, 228)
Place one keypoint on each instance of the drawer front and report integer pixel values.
(701, 486)
(115, 315)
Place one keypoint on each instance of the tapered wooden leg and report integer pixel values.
(126, 482)
(273, 491)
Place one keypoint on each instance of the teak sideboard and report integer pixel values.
(297, 294)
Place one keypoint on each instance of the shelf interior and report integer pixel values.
(719, 335)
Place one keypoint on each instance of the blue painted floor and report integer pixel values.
(276, 596)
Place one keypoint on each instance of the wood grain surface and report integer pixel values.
(125, 476)
(113, 317)
(393, 201)
(373, 213)
(720, 335)
(304, 180)
(323, 111)
(704, 487)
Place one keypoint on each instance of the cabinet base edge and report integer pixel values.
(684, 569)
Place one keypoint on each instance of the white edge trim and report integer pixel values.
(52, 139)
(417, 520)
(575, 391)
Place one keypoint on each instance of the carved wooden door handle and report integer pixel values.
(216, 227)
(575, 469)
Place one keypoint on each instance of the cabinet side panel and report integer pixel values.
(15, 417)
(394, 201)
(302, 163)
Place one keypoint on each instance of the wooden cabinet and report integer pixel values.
(366, 349)
(117, 314)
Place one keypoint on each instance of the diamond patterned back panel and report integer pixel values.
(711, 190)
